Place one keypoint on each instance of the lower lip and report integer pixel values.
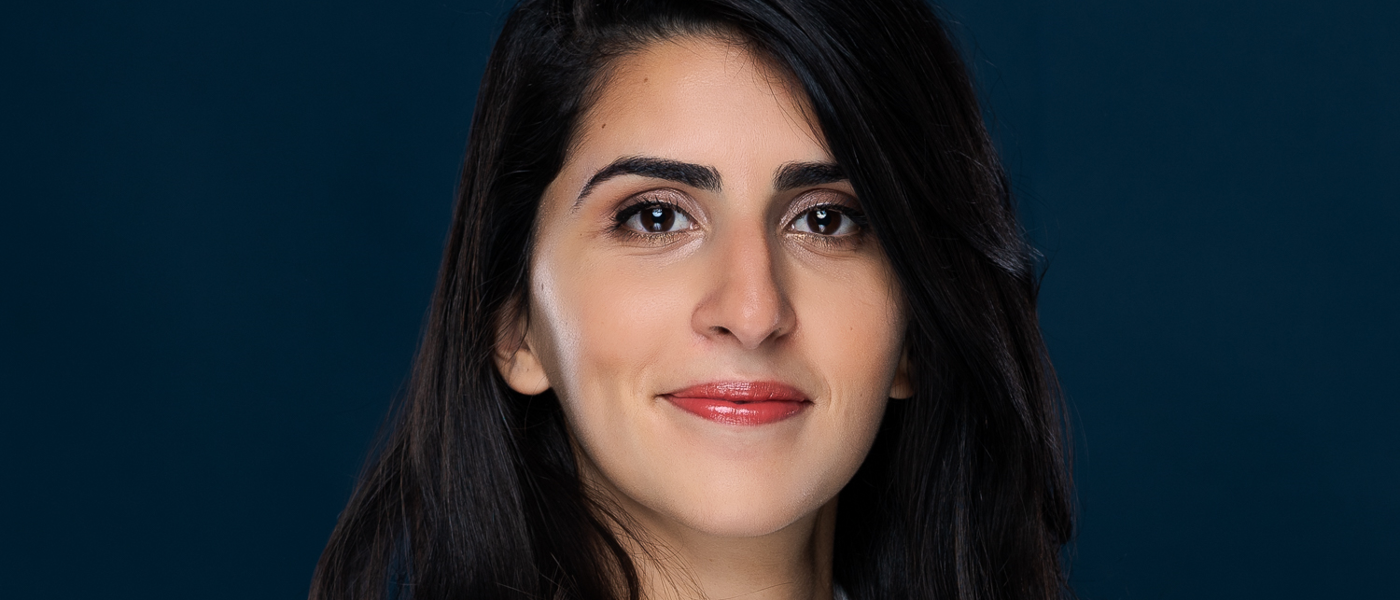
(739, 413)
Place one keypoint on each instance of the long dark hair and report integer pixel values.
(965, 495)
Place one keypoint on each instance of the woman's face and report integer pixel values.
(720, 329)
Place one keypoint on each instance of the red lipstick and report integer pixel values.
(740, 402)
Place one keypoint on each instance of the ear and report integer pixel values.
(902, 388)
(517, 361)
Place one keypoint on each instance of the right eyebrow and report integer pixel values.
(693, 175)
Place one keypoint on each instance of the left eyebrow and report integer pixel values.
(801, 174)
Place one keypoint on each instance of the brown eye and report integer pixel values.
(657, 218)
(654, 217)
(825, 221)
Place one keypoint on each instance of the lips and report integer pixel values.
(741, 402)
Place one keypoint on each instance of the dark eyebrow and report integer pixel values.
(693, 175)
(802, 174)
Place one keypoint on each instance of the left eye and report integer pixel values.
(825, 220)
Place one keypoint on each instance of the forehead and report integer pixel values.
(698, 99)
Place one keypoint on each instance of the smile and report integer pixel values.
(740, 402)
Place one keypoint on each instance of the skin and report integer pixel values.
(741, 287)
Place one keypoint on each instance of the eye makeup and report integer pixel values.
(822, 216)
(652, 218)
(839, 211)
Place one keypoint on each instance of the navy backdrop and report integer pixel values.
(221, 222)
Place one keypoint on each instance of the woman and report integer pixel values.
(734, 305)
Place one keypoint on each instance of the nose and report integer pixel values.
(745, 300)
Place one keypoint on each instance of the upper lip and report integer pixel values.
(742, 391)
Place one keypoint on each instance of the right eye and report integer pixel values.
(654, 217)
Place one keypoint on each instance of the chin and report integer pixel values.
(734, 523)
(732, 509)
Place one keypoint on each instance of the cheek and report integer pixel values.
(606, 331)
(853, 332)
(852, 329)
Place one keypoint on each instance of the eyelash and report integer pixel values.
(857, 217)
(625, 214)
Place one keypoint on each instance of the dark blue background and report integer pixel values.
(221, 222)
